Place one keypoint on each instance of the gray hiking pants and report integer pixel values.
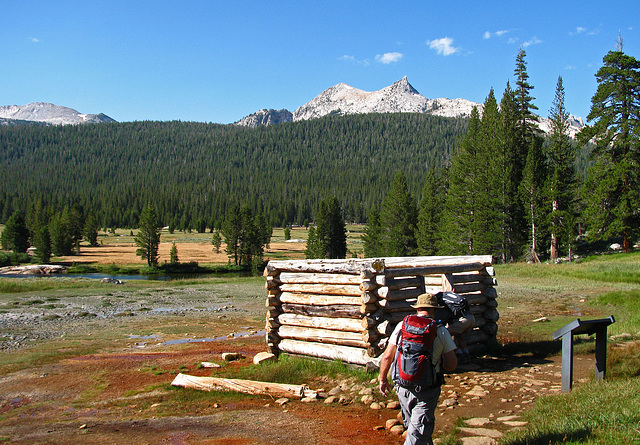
(418, 414)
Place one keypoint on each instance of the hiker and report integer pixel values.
(418, 386)
(458, 319)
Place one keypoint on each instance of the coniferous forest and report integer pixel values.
(491, 184)
(194, 172)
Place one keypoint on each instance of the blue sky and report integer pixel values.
(218, 61)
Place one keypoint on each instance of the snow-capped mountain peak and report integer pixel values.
(50, 114)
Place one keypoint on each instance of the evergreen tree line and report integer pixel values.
(194, 173)
(505, 190)
(513, 194)
(50, 232)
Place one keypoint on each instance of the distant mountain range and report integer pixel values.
(340, 99)
(400, 97)
(43, 113)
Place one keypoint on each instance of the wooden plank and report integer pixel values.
(315, 278)
(476, 336)
(491, 315)
(331, 311)
(417, 262)
(348, 354)
(431, 270)
(339, 324)
(400, 294)
(241, 385)
(469, 287)
(396, 305)
(351, 266)
(323, 289)
(318, 300)
(400, 283)
(322, 336)
(476, 298)
(478, 309)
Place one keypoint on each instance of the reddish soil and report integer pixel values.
(57, 404)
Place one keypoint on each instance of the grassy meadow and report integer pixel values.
(593, 413)
(593, 287)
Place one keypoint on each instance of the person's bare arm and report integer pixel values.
(385, 365)
(449, 361)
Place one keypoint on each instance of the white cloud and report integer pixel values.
(34, 40)
(387, 58)
(531, 41)
(586, 31)
(488, 34)
(351, 59)
(443, 46)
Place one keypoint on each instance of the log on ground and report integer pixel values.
(240, 385)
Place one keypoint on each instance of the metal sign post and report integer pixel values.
(589, 327)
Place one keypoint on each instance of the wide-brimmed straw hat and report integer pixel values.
(427, 300)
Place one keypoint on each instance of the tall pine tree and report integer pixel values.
(148, 237)
(458, 223)
(613, 185)
(430, 213)
(529, 148)
(372, 237)
(560, 187)
(398, 219)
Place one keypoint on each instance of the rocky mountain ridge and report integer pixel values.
(47, 113)
(400, 97)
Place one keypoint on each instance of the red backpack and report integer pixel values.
(413, 367)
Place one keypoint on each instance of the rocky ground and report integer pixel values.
(121, 393)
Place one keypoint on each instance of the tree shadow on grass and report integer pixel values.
(503, 357)
(550, 438)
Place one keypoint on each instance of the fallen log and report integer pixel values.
(245, 386)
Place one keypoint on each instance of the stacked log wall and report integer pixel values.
(347, 309)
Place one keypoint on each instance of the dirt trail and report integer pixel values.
(122, 397)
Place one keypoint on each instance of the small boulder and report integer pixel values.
(367, 399)
(394, 404)
(390, 423)
(264, 357)
(231, 356)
